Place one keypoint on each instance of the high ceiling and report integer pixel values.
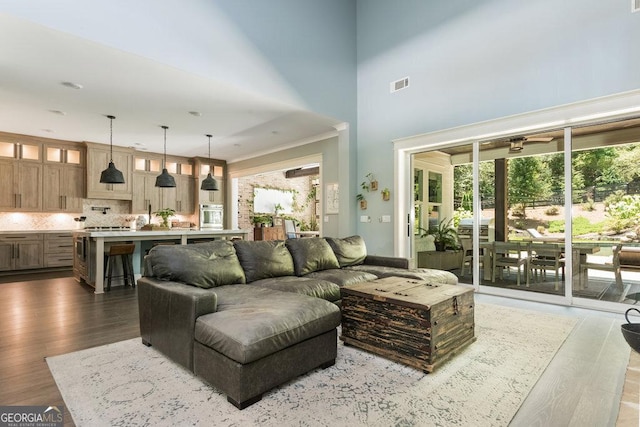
(142, 93)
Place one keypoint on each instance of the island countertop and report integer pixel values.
(171, 233)
(96, 240)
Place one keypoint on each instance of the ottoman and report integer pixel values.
(253, 343)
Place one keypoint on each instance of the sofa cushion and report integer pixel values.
(342, 277)
(311, 254)
(253, 322)
(205, 265)
(428, 274)
(349, 250)
(301, 285)
(263, 259)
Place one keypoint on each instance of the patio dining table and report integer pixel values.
(579, 252)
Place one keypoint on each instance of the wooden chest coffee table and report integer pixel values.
(409, 321)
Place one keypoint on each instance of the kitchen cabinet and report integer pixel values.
(15, 147)
(21, 188)
(58, 250)
(180, 198)
(63, 188)
(21, 251)
(98, 156)
(213, 197)
(218, 168)
(147, 168)
(145, 193)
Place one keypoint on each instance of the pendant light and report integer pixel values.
(164, 179)
(111, 175)
(209, 183)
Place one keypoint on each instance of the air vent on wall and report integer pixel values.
(400, 84)
(635, 5)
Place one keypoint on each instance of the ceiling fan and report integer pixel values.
(517, 143)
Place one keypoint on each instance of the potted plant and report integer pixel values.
(259, 220)
(445, 236)
(363, 202)
(372, 185)
(386, 194)
(165, 214)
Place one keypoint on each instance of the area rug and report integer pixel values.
(129, 384)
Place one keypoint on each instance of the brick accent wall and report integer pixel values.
(302, 187)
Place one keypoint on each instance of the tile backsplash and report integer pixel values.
(117, 214)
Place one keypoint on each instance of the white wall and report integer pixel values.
(474, 61)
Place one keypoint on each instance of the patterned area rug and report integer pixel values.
(127, 383)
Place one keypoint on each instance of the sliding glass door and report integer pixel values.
(528, 192)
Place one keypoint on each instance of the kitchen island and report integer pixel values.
(88, 264)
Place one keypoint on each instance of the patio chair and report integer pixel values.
(511, 254)
(613, 266)
(467, 254)
(547, 256)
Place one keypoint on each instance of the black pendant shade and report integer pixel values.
(164, 179)
(111, 175)
(209, 183)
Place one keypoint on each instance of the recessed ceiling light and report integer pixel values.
(48, 130)
(139, 144)
(195, 113)
(237, 145)
(275, 132)
(72, 85)
(58, 112)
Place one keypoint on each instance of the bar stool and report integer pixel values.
(123, 251)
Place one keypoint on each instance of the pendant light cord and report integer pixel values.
(209, 136)
(164, 165)
(111, 138)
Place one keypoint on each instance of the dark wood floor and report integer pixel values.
(42, 316)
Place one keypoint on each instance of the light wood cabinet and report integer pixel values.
(58, 250)
(145, 193)
(218, 170)
(213, 197)
(20, 147)
(180, 198)
(98, 156)
(21, 251)
(63, 188)
(21, 188)
(147, 168)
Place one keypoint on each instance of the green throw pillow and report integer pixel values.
(205, 265)
(263, 259)
(311, 254)
(349, 251)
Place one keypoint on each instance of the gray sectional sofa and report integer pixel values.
(247, 316)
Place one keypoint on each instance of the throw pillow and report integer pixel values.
(349, 251)
(263, 259)
(311, 254)
(205, 265)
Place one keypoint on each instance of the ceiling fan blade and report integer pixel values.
(538, 139)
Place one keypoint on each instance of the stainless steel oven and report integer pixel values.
(211, 217)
